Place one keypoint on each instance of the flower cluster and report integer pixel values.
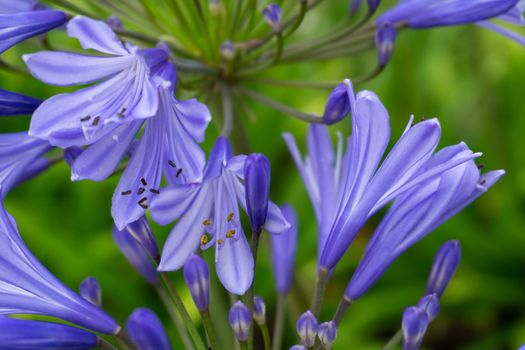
(125, 119)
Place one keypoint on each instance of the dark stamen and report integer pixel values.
(141, 190)
(125, 193)
(482, 182)
(121, 114)
(152, 190)
(143, 180)
(143, 203)
(171, 163)
(178, 172)
(86, 118)
(481, 166)
(96, 121)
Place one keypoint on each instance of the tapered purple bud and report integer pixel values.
(373, 5)
(339, 103)
(272, 15)
(240, 320)
(228, 51)
(138, 245)
(12, 103)
(259, 310)
(71, 154)
(146, 331)
(36, 335)
(354, 7)
(197, 277)
(307, 328)
(297, 347)
(327, 334)
(257, 189)
(385, 40)
(445, 264)
(415, 323)
(284, 246)
(430, 303)
(90, 290)
(114, 22)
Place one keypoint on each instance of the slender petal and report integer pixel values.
(96, 35)
(283, 252)
(12, 103)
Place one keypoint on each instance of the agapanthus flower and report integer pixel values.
(12, 103)
(27, 287)
(445, 264)
(208, 215)
(415, 324)
(90, 290)
(137, 89)
(346, 190)
(20, 20)
(36, 335)
(146, 331)
(283, 248)
(418, 212)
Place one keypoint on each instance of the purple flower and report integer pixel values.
(418, 212)
(373, 5)
(12, 103)
(339, 103)
(415, 323)
(197, 277)
(137, 244)
(257, 189)
(20, 159)
(385, 40)
(36, 335)
(259, 310)
(430, 303)
(90, 290)
(146, 330)
(240, 320)
(297, 347)
(272, 15)
(327, 334)
(346, 190)
(283, 252)
(208, 215)
(445, 264)
(435, 13)
(29, 288)
(307, 328)
(19, 22)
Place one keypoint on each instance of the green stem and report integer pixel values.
(266, 336)
(243, 345)
(208, 326)
(394, 341)
(248, 296)
(175, 319)
(227, 110)
(103, 344)
(123, 338)
(299, 19)
(177, 302)
(321, 85)
(279, 50)
(320, 286)
(341, 309)
(279, 322)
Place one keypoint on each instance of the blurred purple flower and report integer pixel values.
(12, 103)
(146, 330)
(90, 290)
(283, 252)
(208, 214)
(257, 189)
(339, 103)
(415, 323)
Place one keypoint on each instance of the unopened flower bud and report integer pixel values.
(240, 320)
(443, 268)
(257, 189)
(272, 15)
(114, 22)
(283, 247)
(228, 51)
(137, 244)
(259, 310)
(327, 334)
(373, 5)
(197, 277)
(307, 328)
(415, 323)
(146, 331)
(90, 290)
(297, 347)
(339, 103)
(430, 303)
(385, 40)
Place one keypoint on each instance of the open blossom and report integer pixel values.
(20, 20)
(29, 288)
(208, 215)
(418, 212)
(137, 89)
(346, 190)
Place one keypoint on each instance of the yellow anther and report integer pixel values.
(206, 222)
(220, 241)
(204, 239)
(230, 217)
(230, 233)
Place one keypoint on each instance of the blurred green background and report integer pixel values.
(470, 78)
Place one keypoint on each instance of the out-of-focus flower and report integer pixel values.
(259, 310)
(272, 15)
(146, 331)
(197, 277)
(283, 252)
(430, 303)
(240, 319)
(385, 41)
(339, 103)
(208, 215)
(307, 328)
(12, 103)
(90, 290)
(257, 189)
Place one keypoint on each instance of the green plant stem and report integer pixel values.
(103, 344)
(188, 345)
(266, 336)
(394, 341)
(320, 286)
(177, 302)
(248, 296)
(279, 322)
(227, 110)
(321, 85)
(243, 345)
(208, 326)
(341, 310)
(279, 50)
(123, 338)
(299, 19)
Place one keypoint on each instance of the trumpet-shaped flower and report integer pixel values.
(208, 215)
(27, 287)
(346, 190)
(19, 21)
(418, 212)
